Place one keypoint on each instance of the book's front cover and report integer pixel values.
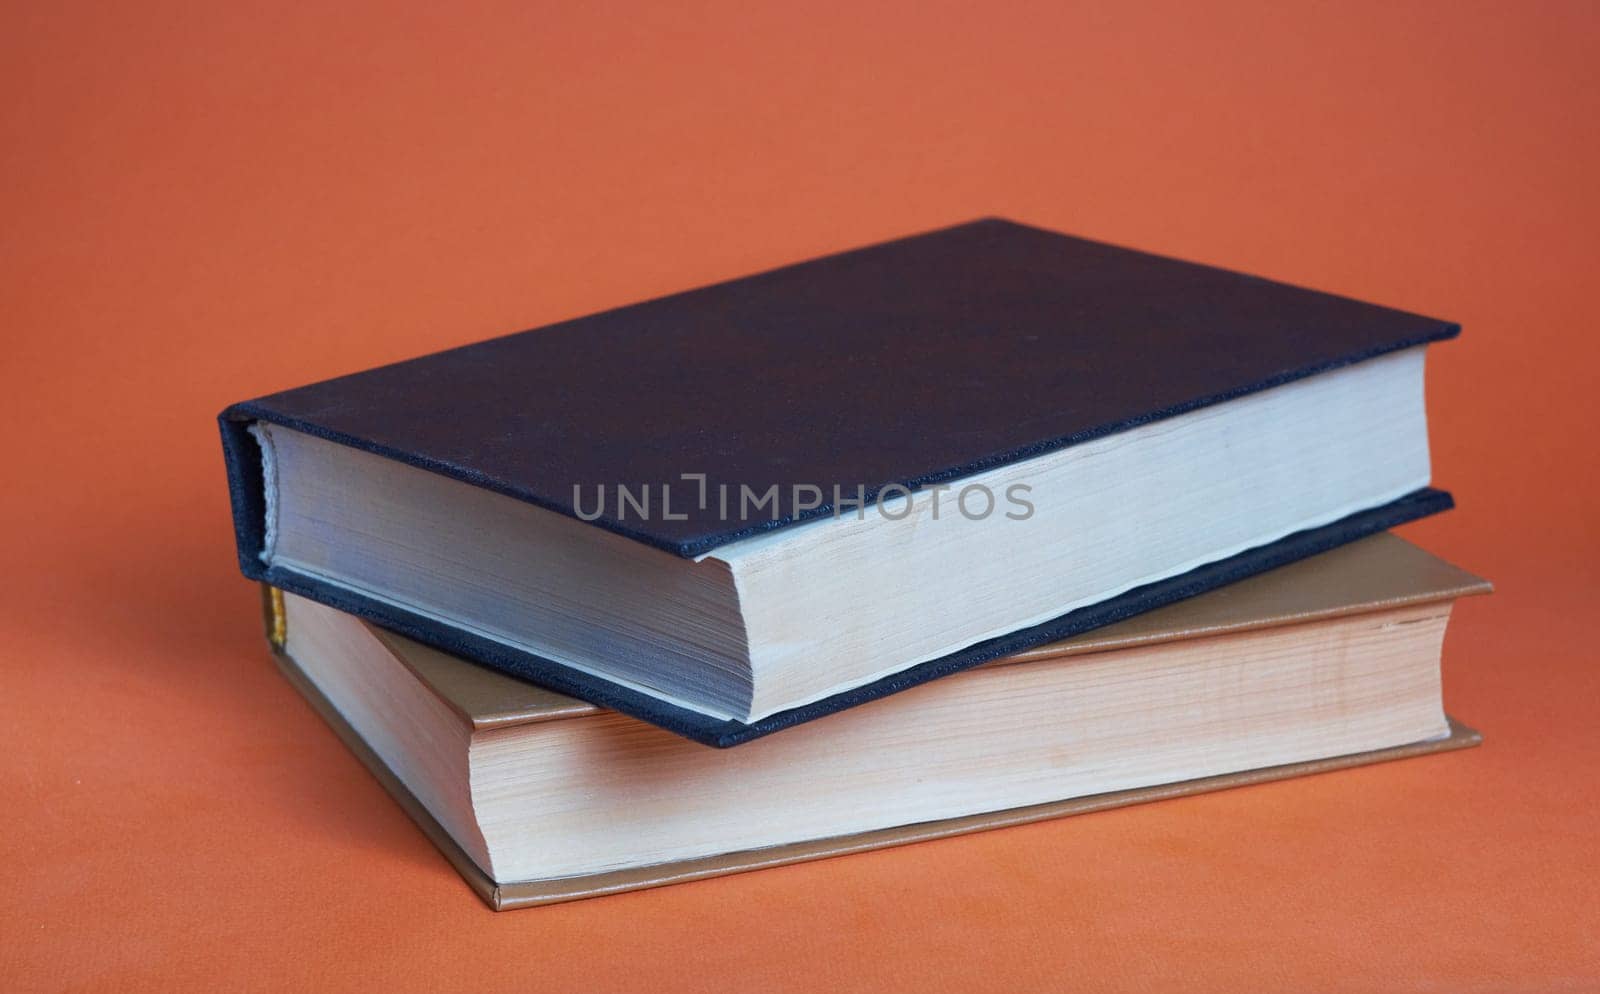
(907, 363)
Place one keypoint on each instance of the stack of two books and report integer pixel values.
(964, 530)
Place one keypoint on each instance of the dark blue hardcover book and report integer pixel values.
(746, 506)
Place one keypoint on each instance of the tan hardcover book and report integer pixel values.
(535, 797)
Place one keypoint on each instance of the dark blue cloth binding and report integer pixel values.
(908, 363)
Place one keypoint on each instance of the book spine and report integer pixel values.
(246, 492)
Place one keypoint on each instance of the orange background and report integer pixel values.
(204, 202)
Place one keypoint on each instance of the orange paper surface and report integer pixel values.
(200, 203)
